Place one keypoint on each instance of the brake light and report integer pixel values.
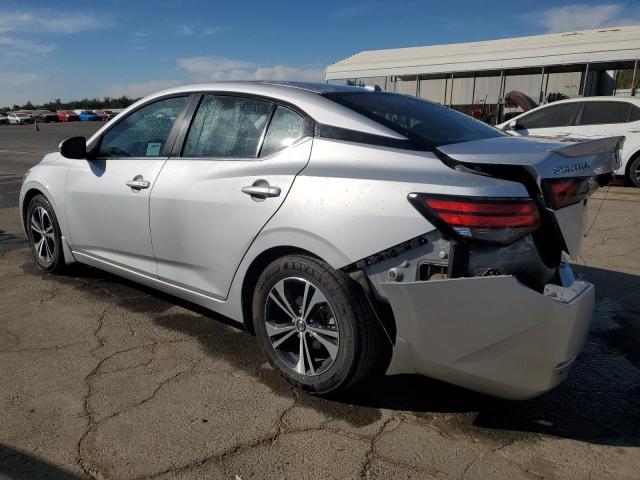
(563, 192)
(494, 220)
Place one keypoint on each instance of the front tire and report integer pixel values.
(315, 326)
(44, 235)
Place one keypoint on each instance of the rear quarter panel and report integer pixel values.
(351, 200)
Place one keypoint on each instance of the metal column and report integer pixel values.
(583, 83)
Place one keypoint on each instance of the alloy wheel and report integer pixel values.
(44, 240)
(301, 326)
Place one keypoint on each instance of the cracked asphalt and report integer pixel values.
(102, 378)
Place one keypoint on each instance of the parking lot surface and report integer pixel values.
(102, 378)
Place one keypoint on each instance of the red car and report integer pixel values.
(103, 114)
(67, 116)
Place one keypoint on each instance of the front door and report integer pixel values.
(549, 121)
(239, 159)
(107, 201)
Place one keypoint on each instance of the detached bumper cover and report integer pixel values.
(490, 334)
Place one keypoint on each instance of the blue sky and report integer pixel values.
(73, 48)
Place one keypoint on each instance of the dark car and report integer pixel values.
(45, 116)
(104, 114)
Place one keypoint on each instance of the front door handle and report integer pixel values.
(138, 183)
(261, 190)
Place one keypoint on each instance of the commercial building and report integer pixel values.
(495, 79)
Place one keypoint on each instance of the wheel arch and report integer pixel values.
(253, 272)
(632, 158)
(28, 196)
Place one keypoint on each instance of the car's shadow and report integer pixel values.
(599, 402)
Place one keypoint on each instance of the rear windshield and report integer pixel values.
(424, 123)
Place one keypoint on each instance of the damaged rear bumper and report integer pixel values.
(490, 334)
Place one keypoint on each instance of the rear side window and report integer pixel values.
(596, 113)
(144, 132)
(226, 126)
(553, 116)
(424, 123)
(285, 128)
(635, 114)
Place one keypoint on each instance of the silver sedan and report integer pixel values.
(355, 232)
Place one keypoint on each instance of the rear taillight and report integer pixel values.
(494, 220)
(562, 192)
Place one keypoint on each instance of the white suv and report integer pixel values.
(587, 118)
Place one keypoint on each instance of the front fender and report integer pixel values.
(48, 178)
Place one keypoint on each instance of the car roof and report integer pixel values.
(305, 95)
(634, 100)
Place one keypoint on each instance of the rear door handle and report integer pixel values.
(261, 190)
(138, 183)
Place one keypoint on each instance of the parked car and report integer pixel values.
(587, 118)
(45, 116)
(410, 239)
(67, 116)
(102, 114)
(88, 116)
(19, 118)
(3, 119)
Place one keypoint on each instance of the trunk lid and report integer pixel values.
(545, 161)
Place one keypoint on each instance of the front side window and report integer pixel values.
(285, 128)
(548, 117)
(144, 133)
(424, 123)
(227, 126)
(597, 113)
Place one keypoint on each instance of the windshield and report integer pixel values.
(424, 123)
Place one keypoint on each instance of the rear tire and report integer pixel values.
(343, 343)
(634, 171)
(44, 235)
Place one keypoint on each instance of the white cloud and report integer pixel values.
(49, 21)
(9, 79)
(17, 47)
(135, 90)
(196, 29)
(580, 17)
(206, 69)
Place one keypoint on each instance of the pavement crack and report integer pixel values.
(365, 471)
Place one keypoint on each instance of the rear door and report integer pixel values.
(549, 121)
(602, 119)
(234, 168)
(108, 196)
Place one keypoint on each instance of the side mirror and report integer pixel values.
(74, 147)
(512, 125)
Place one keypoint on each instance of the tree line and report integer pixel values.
(105, 103)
